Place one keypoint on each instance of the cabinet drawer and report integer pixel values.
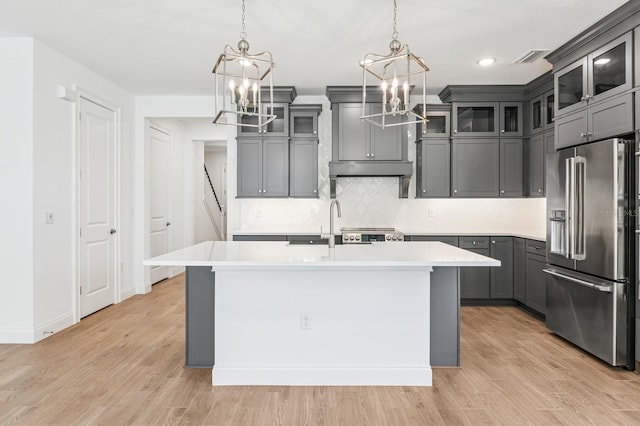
(537, 247)
(474, 242)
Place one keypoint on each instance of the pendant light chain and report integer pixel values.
(395, 12)
(243, 34)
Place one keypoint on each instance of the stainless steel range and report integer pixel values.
(367, 235)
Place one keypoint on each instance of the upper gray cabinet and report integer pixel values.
(476, 119)
(361, 140)
(278, 127)
(601, 74)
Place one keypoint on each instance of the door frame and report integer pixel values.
(89, 97)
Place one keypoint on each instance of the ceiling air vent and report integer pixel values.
(531, 56)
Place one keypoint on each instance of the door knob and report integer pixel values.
(112, 231)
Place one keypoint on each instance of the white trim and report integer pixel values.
(322, 376)
(51, 327)
(90, 97)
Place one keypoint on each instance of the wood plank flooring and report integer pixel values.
(124, 365)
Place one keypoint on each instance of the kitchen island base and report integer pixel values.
(306, 326)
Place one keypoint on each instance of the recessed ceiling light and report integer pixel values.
(486, 61)
(601, 61)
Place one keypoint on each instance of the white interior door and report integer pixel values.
(96, 201)
(159, 238)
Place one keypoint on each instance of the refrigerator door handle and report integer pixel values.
(602, 288)
(569, 201)
(578, 248)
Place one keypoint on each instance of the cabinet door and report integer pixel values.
(475, 167)
(303, 124)
(433, 168)
(476, 119)
(535, 283)
(275, 168)
(610, 68)
(536, 108)
(519, 269)
(548, 101)
(303, 170)
(475, 281)
(502, 276)
(249, 167)
(570, 87)
(536, 154)
(353, 133)
(613, 117)
(511, 167)
(438, 126)
(280, 125)
(571, 129)
(385, 144)
(510, 118)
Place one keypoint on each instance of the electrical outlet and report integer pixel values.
(48, 218)
(305, 322)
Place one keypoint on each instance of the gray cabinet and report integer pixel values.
(361, 140)
(476, 119)
(511, 167)
(278, 127)
(603, 73)
(519, 269)
(433, 168)
(502, 276)
(303, 168)
(536, 163)
(535, 280)
(475, 167)
(447, 239)
(612, 117)
(263, 167)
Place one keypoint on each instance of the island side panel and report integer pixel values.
(445, 317)
(309, 326)
(199, 327)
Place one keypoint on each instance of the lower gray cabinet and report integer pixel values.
(536, 286)
(303, 168)
(433, 168)
(263, 167)
(519, 269)
(511, 167)
(475, 167)
(502, 276)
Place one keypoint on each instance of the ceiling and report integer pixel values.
(168, 47)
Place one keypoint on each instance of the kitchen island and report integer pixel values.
(270, 313)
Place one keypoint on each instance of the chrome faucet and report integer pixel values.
(332, 236)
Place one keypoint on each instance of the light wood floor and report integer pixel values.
(123, 365)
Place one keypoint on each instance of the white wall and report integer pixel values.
(16, 187)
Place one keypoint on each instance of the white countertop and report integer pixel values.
(281, 254)
(527, 235)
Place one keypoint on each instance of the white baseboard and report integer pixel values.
(51, 327)
(320, 376)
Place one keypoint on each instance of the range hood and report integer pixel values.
(401, 169)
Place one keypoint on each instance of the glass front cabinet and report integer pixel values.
(601, 74)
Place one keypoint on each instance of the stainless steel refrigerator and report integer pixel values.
(590, 221)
